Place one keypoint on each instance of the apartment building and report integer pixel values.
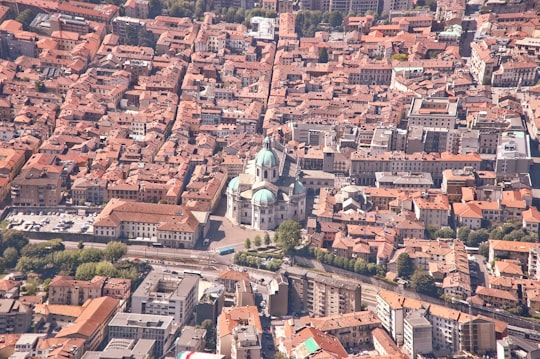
(144, 326)
(447, 325)
(531, 220)
(39, 183)
(433, 210)
(364, 164)
(510, 250)
(513, 154)
(439, 112)
(67, 290)
(345, 6)
(417, 333)
(172, 295)
(239, 333)
(351, 329)
(529, 46)
(454, 180)
(15, 317)
(404, 180)
(320, 295)
(515, 73)
(91, 324)
(137, 8)
(482, 62)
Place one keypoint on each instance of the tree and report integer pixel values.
(289, 235)
(106, 269)
(405, 266)
(477, 237)
(86, 271)
(80, 245)
(15, 239)
(267, 239)
(445, 232)
(154, 8)
(210, 338)
(335, 18)
(247, 243)
(400, 57)
(32, 286)
(10, 256)
(257, 241)
(463, 233)
(25, 18)
(422, 282)
(483, 249)
(90, 255)
(360, 266)
(114, 251)
(2, 265)
(323, 55)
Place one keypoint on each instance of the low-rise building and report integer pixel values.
(173, 226)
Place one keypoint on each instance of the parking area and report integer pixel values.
(51, 221)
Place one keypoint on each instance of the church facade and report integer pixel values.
(268, 193)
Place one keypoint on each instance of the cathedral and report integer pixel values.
(269, 192)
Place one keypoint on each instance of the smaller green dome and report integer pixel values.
(233, 184)
(266, 158)
(298, 187)
(264, 197)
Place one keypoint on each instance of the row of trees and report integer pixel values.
(254, 261)
(358, 265)
(257, 241)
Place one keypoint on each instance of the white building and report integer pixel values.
(163, 294)
(269, 193)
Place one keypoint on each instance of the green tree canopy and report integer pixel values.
(247, 243)
(476, 237)
(106, 269)
(400, 57)
(114, 251)
(86, 271)
(257, 241)
(405, 265)
(15, 239)
(445, 232)
(25, 17)
(483, 249)
(463, 233)
(10, 256)
(289, 235)
(422, 282)
(267, 239)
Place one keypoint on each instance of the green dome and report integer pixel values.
(264, 196)
(266, 158)
(233, 184)
(298, 187)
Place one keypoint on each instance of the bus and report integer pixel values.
(193, 272)
(225, 251)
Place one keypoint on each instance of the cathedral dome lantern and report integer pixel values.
(267, 162)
